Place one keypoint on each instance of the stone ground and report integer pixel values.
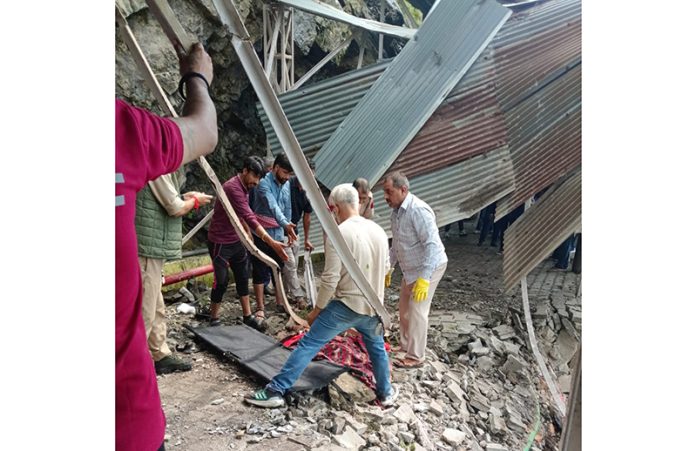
(479, 391)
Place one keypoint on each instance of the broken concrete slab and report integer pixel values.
(353, 389)
(495, 447)
(454, 437)
(350, 439)
(513, 366)
(497, 345)
(484, 363)
(477, 348)
(504, 331)
(566, 346)
(454, 392)
(407, 437)
(436, 408)
(404, 414)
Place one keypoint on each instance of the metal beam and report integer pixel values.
(165, 16)
(571, 437)
(323, 62)
(555, 394)
(198, 227)
(247, 55)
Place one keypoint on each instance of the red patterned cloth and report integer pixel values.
(349, 351)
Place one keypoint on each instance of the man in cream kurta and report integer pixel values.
(341, 305)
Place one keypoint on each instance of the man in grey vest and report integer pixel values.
(159, 208)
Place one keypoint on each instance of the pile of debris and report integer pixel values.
(480, 388)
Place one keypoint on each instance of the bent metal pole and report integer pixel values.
(179, 39)
(252, 66)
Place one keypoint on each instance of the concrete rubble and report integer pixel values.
(478, 389)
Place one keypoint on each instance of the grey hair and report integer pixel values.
(345, 194)
(361, 184)
(398, 179)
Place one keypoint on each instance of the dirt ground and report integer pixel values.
(204, 406)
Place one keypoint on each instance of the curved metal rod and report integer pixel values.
(165, 17)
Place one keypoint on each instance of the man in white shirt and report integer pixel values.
(341, 305)
(417, 247)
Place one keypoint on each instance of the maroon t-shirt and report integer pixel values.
(147, 146)
(221, 230)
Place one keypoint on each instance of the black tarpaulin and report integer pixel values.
(264, 356)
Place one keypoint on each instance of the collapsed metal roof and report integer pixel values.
(542, 228)
(523, 92)
(402, 99)
(538, 75)
(328, 11)
(477, 181)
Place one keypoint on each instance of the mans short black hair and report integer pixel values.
(282, 161)
(254, 164)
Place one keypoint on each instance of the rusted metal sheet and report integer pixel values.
(542, 228)
(538, 74)
(545, 137)
(411, 88)
(454, 192)
(533, 44)
(532, 105)
(468, 123)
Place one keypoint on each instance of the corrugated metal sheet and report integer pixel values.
(398, 104)
(477, 181)
(540, 112)
(545, 136)
(538, 73)
(466, 124)
(315, 111)
(542, 228)
(328, 11)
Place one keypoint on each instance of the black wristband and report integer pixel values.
(187, 76)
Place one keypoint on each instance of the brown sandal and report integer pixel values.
(260, 315)
(406, 363)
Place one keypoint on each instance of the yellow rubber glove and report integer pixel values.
(420, 290)
(387, 278)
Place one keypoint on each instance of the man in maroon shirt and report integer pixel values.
(148, 146)
(226, 249)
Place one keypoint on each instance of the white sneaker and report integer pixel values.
(391, 399)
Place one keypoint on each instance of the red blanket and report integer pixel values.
(346, 350)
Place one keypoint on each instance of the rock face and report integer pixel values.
(240, 130)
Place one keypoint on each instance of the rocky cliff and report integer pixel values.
(240, 130)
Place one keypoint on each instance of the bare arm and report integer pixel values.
(198, 121)
(168, 197)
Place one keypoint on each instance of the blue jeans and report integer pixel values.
(333, 320)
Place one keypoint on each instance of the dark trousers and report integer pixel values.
(224, 256)
(260, 272)
(562, 253)
(486, 217)
(460, 224)
(505, 222)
